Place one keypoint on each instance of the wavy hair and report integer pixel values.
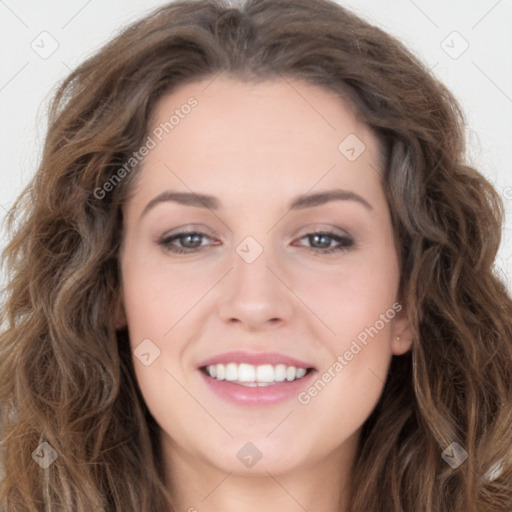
(66, 376)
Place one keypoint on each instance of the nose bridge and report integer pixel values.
(251, 266)
(253, 293)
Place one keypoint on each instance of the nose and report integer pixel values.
(255, 294)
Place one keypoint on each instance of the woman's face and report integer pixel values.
(255, 292)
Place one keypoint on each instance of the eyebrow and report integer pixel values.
(213, 203)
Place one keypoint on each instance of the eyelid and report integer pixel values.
(321, 228)
(186, 228)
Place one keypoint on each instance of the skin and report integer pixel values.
(256, 147)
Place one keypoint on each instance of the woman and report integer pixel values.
(253, 271)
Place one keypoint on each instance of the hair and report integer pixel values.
(66, 375)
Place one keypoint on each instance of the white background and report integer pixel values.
(480, 78)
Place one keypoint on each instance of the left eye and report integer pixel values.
(324, 238)
(190, 242)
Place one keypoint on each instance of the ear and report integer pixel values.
(402, 331)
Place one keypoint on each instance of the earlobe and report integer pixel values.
(402, 334)
(401, 344)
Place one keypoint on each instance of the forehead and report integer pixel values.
(260, 137)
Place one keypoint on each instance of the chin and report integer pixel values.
(258, 455)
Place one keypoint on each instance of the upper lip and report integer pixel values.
(254, 358)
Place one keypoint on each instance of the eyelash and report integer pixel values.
(345, 242)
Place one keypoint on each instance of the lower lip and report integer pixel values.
(258, 395)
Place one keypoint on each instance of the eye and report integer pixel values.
(323, 239)
(190, 242)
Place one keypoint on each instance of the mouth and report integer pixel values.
(255, 379)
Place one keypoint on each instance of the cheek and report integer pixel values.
(360, 304)
(352, 297)
(158, 296)
(155, 306)
(349, 396)
(161, 304)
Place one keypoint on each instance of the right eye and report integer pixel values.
(189, 242)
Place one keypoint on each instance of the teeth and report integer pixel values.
(231, 371)
(250, 375)
(246, 373)
(265, 373)
(221, 372)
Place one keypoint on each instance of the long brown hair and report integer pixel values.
(66, 376)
